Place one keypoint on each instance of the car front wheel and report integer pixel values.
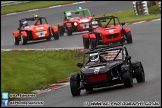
(86, 43)
(93, 43)
(75, 84)
(56, 35)
(16, 40)
(127, 79)
(139, 73)
(61, 30)
(69, 31)
(23, 40)
(129, 37)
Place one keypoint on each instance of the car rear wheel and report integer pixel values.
(139, 73)
(23, 40)
(61, 30)
(69, 31)
(93, 43)
(86, 43)
(129, 37)
(16, 40)
(127, 79)
(75, 84)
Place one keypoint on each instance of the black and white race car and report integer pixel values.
(106, 66)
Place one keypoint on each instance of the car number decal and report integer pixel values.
(41, 34)
(111, 31)
(97, 69)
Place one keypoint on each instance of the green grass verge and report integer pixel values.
(24, 71)
(129, 16)
(31, 5)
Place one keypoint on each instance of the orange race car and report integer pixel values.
(34, 28)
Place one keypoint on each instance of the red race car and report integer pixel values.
(106, 30)
(34, 28)
(75, 21)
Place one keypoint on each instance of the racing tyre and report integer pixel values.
(75, 84)
(93, 43)
(16, 40)
(56, 35)
(61, 30)
(127, 79)
(23, 40)
(129, 37)
(139, 73)
(86, 43)
(69, 31)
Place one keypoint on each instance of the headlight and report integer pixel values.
(75, 24)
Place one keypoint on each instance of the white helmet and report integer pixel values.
(94, 24)
(24, 22)
(94, 57)
(69, 14)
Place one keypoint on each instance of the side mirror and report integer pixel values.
(122, 23)
(80, 64)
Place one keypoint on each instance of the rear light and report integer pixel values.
(97, 77)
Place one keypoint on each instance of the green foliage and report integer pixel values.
(154, 9)
(129, 16)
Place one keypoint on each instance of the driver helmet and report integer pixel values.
(69, 15)
(25, 23)
(94, 57)
(94, 24)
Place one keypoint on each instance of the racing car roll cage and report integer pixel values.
(39, 19)
(103, 19)
(77, 11)
(103, 48)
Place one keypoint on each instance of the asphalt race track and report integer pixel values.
(146, 47)
(9, 24)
